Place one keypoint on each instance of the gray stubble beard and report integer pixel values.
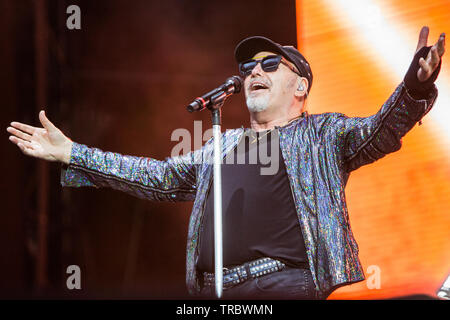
(258, 104)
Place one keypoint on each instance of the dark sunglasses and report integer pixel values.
(268, 64)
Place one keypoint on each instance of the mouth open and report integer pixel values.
(258, 86)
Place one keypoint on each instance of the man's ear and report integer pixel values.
(302, 87)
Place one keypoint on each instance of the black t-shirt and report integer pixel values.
(258, 211)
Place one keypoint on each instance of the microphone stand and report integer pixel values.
(218, 245)
(215, 104)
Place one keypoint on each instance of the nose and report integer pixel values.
(257, 70)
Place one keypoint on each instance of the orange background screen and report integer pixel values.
(399, 206)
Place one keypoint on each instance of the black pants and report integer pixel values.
(288, 284)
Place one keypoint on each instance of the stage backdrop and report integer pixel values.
(398, 206)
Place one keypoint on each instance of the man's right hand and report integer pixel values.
(47, 143)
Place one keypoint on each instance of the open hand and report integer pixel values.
(47, 143)
(428, 65)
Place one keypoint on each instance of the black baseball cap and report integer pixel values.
(247, 48)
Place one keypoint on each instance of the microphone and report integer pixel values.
(231, 86)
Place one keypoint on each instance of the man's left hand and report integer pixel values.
(428, 65)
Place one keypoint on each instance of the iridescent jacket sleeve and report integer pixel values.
(364, 140)
(173, 179)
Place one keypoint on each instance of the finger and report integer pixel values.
(45, 122)
(433, 61)
(424, 71)
(424, 65)
(24, 127)
(19, 133)
(25, 150)
(21, 142)
(441, 45)
(423, 37)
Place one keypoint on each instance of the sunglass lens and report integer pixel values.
(246, 67)
(270, 63)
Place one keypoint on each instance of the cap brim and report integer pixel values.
(247, 48)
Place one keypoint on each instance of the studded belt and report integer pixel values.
(248, 270)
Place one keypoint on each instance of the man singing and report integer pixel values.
(286, 234)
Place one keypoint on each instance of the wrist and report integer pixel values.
(67, 151)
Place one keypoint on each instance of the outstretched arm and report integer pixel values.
(365, 140)
(173, 179)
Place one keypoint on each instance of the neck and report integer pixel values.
(260, 121)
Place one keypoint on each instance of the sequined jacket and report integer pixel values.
(319, 151)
